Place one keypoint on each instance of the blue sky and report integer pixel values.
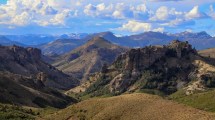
(3, 1)
(119, 16)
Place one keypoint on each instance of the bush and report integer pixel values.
(98, 87)
(171, 53)
(209, 80)
(157, 81)
(15, 113)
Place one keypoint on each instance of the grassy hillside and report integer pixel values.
(130, 107)
(204, 100)
(16, 113)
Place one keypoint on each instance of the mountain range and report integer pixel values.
(109, 76)
(5, 41)
(60, 44)
(37, 39)
(199, 40)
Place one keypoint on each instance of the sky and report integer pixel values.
(122, 17)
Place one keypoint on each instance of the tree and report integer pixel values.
(104, 68)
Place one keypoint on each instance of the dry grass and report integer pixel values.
(204, 67)
(208, 52)
(130, 107)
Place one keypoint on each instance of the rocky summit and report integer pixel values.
(153, 69)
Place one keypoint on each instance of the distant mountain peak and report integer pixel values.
(89, 58)
(98, 39)
(203, 33)
(106, 33)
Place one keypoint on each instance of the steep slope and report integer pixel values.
(27, 62)
(60, 46)
(21, 90)
(130, 107)
(89, 58)
(154, 69)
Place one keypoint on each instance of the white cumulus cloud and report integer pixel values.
(116, 11)
(194, 13)
(164, 13)
(25, 12)
(135, 26)
(212, 12)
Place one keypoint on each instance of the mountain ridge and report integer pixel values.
(155, 69)
(28, 62)
(89, 57)
(200, 40)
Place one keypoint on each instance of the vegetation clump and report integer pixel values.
(12, 112)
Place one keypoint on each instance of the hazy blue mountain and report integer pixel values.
(200, 40)
(60, 46)
(37, 39)
(31, 39)
(6, 42)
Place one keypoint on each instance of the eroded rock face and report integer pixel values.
(162, 68)
(139, 58)
(42, 76)
(28, 62)
(34, 52)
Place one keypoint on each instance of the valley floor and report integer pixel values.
(137, 106)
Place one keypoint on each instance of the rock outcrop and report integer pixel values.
(154, 69)
(27, 62)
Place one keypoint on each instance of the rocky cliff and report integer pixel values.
(27, 62)
(153, 69)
